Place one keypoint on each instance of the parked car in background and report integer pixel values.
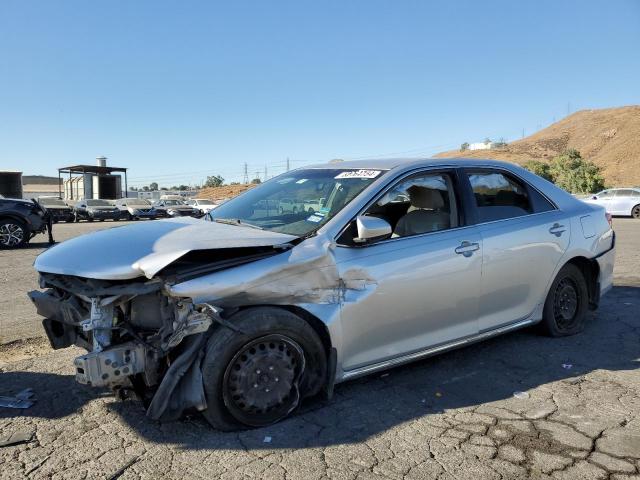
(244, 316)
(95, 209)
(313, 205)
(135, 209)
(59, 210)
(618, 201)
(174, 208)
(204, 205)
(288, 205)
(20, 221)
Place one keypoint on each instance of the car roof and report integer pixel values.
(393, 163)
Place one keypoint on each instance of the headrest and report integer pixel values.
(424, 197)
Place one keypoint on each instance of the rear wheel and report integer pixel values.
(635, 212)
(565, 308)
(258, 377)
(13, 233)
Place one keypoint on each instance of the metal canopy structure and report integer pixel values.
(92, 169)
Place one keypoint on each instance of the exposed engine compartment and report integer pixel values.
(134, 334)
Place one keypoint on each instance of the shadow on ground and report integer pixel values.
(469, 377)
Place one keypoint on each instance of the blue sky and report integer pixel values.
(179, 90)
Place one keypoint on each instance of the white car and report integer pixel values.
(618, 201)
(202, 204)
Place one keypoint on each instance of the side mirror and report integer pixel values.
(371, 228)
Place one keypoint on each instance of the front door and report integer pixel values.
(423, 284)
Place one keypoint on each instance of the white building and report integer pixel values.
(482, 146)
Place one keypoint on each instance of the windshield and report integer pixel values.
(98, 203)
(51, 202)
(173, 202)
(299, 202)
(138, 203)
(204, 202)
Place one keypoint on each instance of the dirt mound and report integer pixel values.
(225, 191)
(609, 137)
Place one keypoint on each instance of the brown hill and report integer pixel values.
(224, 192)
(609, 137)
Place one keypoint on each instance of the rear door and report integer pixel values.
(621, 202)
(523, 236)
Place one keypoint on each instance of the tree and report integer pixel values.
(256, 181)
(214, 181)
(145, 189)
(539, 168)
(153, 186)
(464, 146)
(575, 174)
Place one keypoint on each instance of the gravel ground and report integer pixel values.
(451, 416)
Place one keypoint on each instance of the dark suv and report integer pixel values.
(20, 221)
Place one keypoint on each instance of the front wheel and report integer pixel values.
(258, 377)
(565, 308)
(13, 234)
(635, 212)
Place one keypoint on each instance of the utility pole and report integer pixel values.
(523, 133)
(265, 173)
(288, 166)
(246, 174)
(568, 108)
(258, 174)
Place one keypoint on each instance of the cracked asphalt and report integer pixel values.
(454, 416)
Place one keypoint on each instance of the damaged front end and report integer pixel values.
(136, 336)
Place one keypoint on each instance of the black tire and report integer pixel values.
(565, 309)
(635, 212)
(13, 234)
(270, 335)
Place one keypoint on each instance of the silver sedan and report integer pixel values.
(244, 314)
(618, 201)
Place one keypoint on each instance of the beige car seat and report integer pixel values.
(426, 213)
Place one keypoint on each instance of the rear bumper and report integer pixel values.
(606, 262)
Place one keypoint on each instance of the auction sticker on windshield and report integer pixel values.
(359, 174)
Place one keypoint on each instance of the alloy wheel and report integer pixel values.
(11, 234)
(260, 384)
(635, 213)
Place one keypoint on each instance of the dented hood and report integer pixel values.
(143, 249)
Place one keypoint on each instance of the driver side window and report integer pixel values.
(419, 204)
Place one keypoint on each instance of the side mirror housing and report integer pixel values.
(371, 229)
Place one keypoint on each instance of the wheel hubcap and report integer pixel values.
(566, 303)
(261, 381)
(11, 234)
(636, 212)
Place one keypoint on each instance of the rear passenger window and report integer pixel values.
(499, 196)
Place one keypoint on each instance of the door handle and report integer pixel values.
(467, 248)
(557, 229)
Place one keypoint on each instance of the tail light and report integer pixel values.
(609, 218)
